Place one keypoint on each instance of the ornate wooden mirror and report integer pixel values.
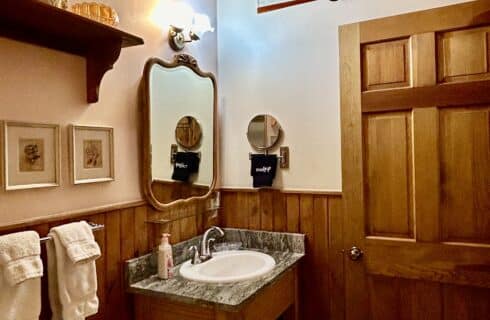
(179, 131)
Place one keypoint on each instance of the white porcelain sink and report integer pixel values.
(229, 266)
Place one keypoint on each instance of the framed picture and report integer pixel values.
(31, 157)
(270, 5)
(91, 154)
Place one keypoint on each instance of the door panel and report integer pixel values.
(388, 165)
(416, 164)
(386, 65)
(465, 174)
(463, 55)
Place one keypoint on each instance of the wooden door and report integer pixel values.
(416, 164)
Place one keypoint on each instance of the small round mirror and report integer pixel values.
(263, 131)
(188, 132)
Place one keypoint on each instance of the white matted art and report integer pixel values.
(31, 157)
(91, 154)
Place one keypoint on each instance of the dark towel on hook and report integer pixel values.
(186, 164)
(263, 170)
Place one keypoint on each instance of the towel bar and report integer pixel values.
(283, 157)
(94, 226)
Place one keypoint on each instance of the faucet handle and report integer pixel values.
(194, 255)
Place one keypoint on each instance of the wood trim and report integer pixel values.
(434, 20)
(426, 172)
(429, 261)
(424, 59)
(444, 95)
(356, 306)
(281, 5)
(72, 215)
(286, 191)
(179, 61)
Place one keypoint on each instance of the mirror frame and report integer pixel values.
(279, 137)
(180, 60)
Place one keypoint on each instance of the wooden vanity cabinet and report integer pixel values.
(277, 300)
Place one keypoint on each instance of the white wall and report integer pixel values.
(286, 63)
(42, 85)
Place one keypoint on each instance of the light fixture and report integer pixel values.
(195, 24)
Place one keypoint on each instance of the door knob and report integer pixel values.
(355, 254)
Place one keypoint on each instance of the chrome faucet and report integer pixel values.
(206, 244)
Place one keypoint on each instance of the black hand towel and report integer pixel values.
(263, 170)
(186, 163)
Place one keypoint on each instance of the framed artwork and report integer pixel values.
(270, 5)
(91, 154)
(31, 157)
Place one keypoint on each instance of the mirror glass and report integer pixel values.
(180, 158)
(188, 133)
(263, 131)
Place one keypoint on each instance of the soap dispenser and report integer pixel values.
(165, 258)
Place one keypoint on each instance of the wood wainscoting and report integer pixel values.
(126, 235)
(319, 216)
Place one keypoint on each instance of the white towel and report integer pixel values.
(20, 271)
(72, 275)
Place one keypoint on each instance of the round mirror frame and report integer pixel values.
(180, 60)
(264, 147)
(192, 144)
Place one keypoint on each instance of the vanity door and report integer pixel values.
(416, 164)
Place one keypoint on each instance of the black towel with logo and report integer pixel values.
(186, 164)
(263, 170)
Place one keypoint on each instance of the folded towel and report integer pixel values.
(186, 164)
(20, 271)
(73, 278)
(79, 241)
(263, 170)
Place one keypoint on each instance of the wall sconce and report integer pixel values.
(198, 27)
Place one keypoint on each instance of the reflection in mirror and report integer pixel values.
(263, 131)
(180, 136)
(188, 132)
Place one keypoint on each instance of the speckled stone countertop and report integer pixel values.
(286, 249)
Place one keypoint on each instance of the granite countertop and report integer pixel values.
(286, 249)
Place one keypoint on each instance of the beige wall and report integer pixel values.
(286, 63)
(41, 85)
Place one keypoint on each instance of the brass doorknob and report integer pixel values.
(355, 254)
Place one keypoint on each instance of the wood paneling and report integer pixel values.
(388, 164)
(386, 65)
(464, 55)
(395, 298)
(320, 218)
(465, 174)
(126, 235)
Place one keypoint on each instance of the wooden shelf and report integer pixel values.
(41, 24)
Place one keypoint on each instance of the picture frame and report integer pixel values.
(31, 155)
(91, 154)
(271, 5)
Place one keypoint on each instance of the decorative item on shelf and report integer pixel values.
(92, 154)
(62, 4)
(97, 11)
(31, 155)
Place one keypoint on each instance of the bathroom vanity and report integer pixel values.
(266, 297)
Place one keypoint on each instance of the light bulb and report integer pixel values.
(201, 24)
